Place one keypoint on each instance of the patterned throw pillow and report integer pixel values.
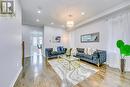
(74, 51)
(68, 51)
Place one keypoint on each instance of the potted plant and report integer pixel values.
(124, 51)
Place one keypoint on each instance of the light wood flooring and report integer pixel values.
(39, 73)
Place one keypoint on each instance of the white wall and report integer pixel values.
(108, 36)
(50, 32)
(10, 48)
(26, 37)
(91, 28)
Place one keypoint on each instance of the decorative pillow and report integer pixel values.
(86, 50)
(62, 48)
(91, 51)
(54, 49)
(68, 51)
(74, 51)
(58, 49)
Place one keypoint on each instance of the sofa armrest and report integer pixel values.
(102, 53)
(102, 56)
(48, 51)
(95, 55)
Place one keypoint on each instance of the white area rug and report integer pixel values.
(73, 76)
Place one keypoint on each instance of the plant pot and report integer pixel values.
(122, 65)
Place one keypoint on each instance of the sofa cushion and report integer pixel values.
(80, 50)
(88, 56)
(54, 53)
(80, 54)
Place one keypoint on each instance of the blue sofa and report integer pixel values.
(50, 53)
(98, 57)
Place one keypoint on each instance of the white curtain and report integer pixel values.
(118, 29)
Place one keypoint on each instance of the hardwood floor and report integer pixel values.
(39, 73)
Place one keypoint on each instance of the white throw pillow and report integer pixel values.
(91, 51)
(86, 50)
(54, 49)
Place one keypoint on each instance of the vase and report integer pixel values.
(122, 65)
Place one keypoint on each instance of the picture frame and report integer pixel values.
(86, 38)
(7, 7)
(56, 39)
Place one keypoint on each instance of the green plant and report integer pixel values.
(124, 48)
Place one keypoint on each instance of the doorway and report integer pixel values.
(36, 47)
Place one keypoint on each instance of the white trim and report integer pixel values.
(17, 75)
(105, 13)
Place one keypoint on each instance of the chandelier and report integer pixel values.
(70, 24)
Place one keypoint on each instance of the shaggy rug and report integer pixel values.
(73, 76)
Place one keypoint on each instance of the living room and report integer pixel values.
(73, 46)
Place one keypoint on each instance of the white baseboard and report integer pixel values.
(17, 75)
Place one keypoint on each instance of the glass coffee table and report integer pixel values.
(72, 62)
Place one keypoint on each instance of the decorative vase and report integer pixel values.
(122, 65)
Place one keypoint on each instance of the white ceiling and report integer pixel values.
(57, 11)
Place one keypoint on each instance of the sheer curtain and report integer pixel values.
(118, 28)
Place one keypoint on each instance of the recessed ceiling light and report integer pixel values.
(38, 11)
(82, 13)
(52, 23)
(37, 20)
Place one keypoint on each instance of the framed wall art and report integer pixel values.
(56, 39)
(93, 37)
